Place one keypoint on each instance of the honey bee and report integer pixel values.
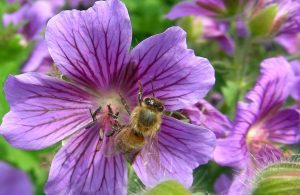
(144, 124)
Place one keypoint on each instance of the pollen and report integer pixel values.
(114, 100)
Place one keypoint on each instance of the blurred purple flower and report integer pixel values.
(285, 27)
(91, 48)
(261, 125)
(222, 184)
(208, 116)
(14, 181)
(208, 8)
(217, 30)
(77, 3)
(289, 41)
(32, 16)
(39, 60)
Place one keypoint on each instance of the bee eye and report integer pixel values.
(147, 101)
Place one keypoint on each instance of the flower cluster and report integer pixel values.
(31, 19)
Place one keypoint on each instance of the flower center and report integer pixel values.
(116, 103)
(256, 134)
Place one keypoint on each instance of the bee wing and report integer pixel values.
(109, 146)
(150, 157)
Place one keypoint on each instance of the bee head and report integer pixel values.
(154, 104)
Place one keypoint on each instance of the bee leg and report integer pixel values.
(123, 101)
(100, 139)
(111, 114)
(140, 93)
(116, 127)
(94, 114)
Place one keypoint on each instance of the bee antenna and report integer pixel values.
(152, 88)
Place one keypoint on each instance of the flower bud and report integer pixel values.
(170, 187)
(261, 24)
(192, 26)
(278, 178)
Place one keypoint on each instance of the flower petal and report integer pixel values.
(272, 88)
(231, 151)
(39, 59)
(44, 110)
(295, 92)
(91, 46)
(226, 43)
(241, 184)
(208, 116)
(216, 30)
(79, 168)
(164, 62)
(289, 41)
(284, 127)
(181, 147)
(222, 184)
(196, 8)
(14, 181)
(184, 8)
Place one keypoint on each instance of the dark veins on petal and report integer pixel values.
(85, 168)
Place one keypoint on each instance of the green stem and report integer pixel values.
(241, 64)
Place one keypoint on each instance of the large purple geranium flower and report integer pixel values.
(14, 181)
(261, 125)
(91, 48)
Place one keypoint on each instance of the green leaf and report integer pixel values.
(260, 24)
(231, 93)
(170, 187)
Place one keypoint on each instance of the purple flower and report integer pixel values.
(14, 181)
(208, 116)
(208, 8)
(289, 41)
(39, 60)
(217, 30)
(222, 184)
(261, 125)
(91, 48)
(285, 26)
(77, 3)
(207, 11)
(32, 16)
